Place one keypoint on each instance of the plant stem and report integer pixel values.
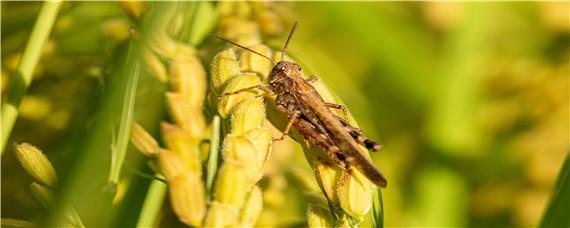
(26, 67)
(213, 155)
(152, 204)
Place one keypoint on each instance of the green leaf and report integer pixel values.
(120, 149)
(378, 210)
(556, 213)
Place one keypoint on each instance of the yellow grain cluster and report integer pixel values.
(180, 161)
(237, 200)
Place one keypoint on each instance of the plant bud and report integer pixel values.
(354, 193)
(249, 114)
(42, 194)
(261, 140)
(187, 196)
(252, 208)
(232, 185)
(224, 66)
(318, 216)
(154, 66)
(179, 142)
(167, 47)
(170, 164)
(36, 164)
(220, 215)
(252, 62)
(240, 151)
(143, 141)
(227, 103)
(188, 78)
(190, 118)
(328, 176)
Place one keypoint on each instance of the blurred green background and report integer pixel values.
(469, 99)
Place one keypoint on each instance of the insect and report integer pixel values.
(311, 116)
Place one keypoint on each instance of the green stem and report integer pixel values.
(213, 155)
(152, 204)
(26, 67)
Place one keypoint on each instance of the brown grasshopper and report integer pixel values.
(311, 116)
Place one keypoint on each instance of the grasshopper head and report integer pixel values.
(285, 69)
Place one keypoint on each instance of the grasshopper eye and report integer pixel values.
(299, 67)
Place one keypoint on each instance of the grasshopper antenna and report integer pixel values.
(244, 47)
(287, 42)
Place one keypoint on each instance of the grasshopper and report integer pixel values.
(311, 116)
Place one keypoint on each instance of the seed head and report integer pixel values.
(143, 141)
(227, 103)
(260, 138)
(179, 141)
(232, 185)
(42, 194)
(328, 178)
(170, 164)
(188, 117)
(249, 114)
(221, 215)
(354, 193)
(251, 62)
(224, 66)
(239, 151)
(154, 66)
(36, 164)
(188, 78)
(252, 208)
(187, 196)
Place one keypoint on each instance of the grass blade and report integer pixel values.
(378, 210)
(556, 213)
(120, 149)
(26, 67)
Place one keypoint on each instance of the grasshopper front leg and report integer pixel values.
(292, 120)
